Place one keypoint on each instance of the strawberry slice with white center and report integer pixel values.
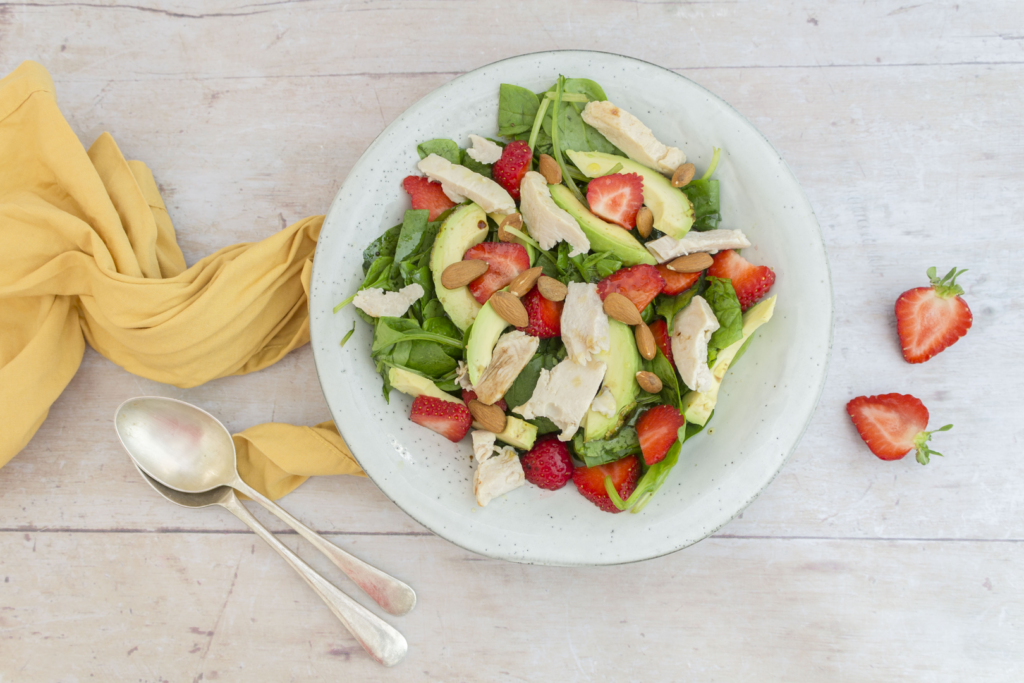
(750, 282)
(428, 195)
(617, 198)
(658, 429)
(892, 425)
(449, 419)
(505, 260)
(640, 284)
(931, 319)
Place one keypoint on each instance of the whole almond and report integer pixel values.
(551, 289)
(644, 221)
(691, 263)
(525, 281)
(510, 308)
(622, 309)
(491, 418)
(513, 220)
(461, 273)
(549, 168)
(645, 341)
(683, 175)
(648, 381)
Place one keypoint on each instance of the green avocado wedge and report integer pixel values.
(623, 361)
(697, 406)
(465, 227)
(671, 208)
(482, 338)
(603, 236)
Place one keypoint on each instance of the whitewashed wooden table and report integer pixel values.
(902, 121)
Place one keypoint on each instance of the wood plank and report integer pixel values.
(179, 607)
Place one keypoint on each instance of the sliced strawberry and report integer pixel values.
(893, 424)
(589, 481)
(931, 319)
(449, 419)
(676, 283)
(545, 315)
(658, 429)
(505, 260)
(468, 396)
(640, 284)
(750, 282)
(548, 464)
(617, 198)
(428, 195)
(659, 328)
(508, 171)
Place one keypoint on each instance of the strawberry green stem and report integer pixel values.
(946, 286)
(921, 444)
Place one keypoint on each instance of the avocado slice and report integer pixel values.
(487, 327)
(518, 433)
(623, 361)
(464, 228)
(603, 236)
(697, 406)
(671, 208)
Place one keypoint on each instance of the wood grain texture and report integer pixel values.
(903, 124)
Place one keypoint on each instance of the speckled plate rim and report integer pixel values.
(822, 374)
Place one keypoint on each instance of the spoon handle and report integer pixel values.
(396, 597)
(380, 640)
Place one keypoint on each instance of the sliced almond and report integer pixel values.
(648, 381)
(691, 263)
(551, 289)
(510, 308)
(513, 220)
(491, 418)
(461, 273)
(644, 221)
(683, 175)
(549, 168)
(620, 308)
(525, 281)
(645, 341)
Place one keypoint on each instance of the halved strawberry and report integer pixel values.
(659, 328)
(893, 424)
(545, 315)
(617, 198)
(676, 283)
(750, 282)
(426, 194)
(931, 319)
(505, 260)
(589, 481)
(658, 429)
(640, 284)
(508, 171)
(449, 419)
(468, 396)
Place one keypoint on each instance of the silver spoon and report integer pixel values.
(189, 450)
(385, 644)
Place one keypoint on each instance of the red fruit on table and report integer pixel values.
(449, 419)
(548, 464)
(426, 194)
(750, 282)
(545, 315)
(589, 481)
(640, 284)
(658, 429)
(508, 171)
(931, 319)
(616, 198)
(676, 283)
(505, 260)
(892, 425)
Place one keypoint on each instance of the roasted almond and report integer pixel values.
(648, 381)
(491, 418)
(645, 341)
(461, 273)
(644, 221)
(549, 168)
(513, 220)
(551, 289)
(510, 308)
(525, 281)
(622, 309)
(691, 263)
(683, 175)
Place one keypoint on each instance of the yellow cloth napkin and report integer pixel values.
(88, 253)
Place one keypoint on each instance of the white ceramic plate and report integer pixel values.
(765, 404)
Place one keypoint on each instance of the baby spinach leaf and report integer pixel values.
(703, 195)
(585, 86)
(391, 331)
(377, 276)
(442, 147)
(544, 426)
(474, 165)
(668, 306)
(382, 246)
(415, 230)
(517, 108)
(721, 296)
(594, 453)
(666, 372)
(433, 309)
(445, 327)
(522, 388)
(429, 359)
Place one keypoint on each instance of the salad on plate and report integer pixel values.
(564, 292)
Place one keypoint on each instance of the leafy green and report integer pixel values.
(666, 372)
(348, 334)
(556, 140)
(402, 343)
(721, 296)
(379, 275)
(390, 331)
(415, 229)
(382, 246)
(703, 194)
(442, 147)
(668, 306)
(743, 350)
(593, 453)
(523, 386)
(517, 108)
(474, 165)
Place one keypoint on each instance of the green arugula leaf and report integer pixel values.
(517, 108)
(721, 296)
(442, 147)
